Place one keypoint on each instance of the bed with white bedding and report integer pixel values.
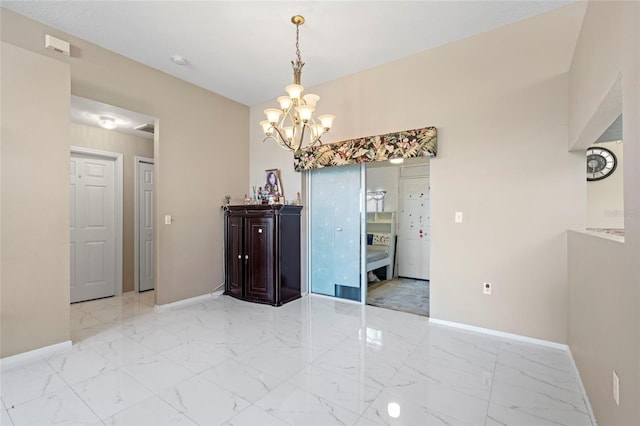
(380, 249)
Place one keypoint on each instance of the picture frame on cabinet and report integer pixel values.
(273, 183)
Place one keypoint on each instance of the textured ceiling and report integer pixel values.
(242, 49)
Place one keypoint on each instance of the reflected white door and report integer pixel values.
(145, 226)
(92, 197)
(414, 235)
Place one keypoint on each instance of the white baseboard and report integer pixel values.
(500, 334)
(190, 301)
(13, 361)
(582, 389)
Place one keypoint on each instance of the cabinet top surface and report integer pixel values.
(261, 208)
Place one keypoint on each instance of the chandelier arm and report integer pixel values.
(315, 138)
(278, 141)
(282, 140)
(301, 136)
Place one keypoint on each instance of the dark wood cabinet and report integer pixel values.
(262, 253)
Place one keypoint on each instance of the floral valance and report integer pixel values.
(407, 144)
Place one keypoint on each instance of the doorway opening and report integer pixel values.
(398, 224)
(143, 225)
(369, 234)
(111, 132)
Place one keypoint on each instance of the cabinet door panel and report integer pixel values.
(259, 246)
(235, 256)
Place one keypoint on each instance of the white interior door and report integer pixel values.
(414, 235)
(92, 197)
(145, 226)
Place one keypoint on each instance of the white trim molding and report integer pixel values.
(190, 301)
(582, 389)
(118, 204)
(18, 360)
(502, 334)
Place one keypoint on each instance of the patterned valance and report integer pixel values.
(407, 144)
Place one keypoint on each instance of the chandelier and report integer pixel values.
(293, 124)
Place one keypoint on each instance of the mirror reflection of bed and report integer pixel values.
(398, 235)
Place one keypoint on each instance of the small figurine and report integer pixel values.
(227, 200)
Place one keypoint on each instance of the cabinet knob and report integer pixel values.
(239, 256)
(259, 230)
(246, 256)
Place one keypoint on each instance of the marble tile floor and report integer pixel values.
(313, 361)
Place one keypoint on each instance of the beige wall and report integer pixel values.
(604, 283)
(605, 197)
(130, 146)
(201, 154)
(34, 277)
(499, 101)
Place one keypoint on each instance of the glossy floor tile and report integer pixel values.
(313, 361)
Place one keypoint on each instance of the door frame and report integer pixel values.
(136, 218)
(118, 192)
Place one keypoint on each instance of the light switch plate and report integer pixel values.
(167, 219)
(458, 217)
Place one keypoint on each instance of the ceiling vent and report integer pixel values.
(146, 128)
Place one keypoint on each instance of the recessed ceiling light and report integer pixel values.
(179, 60)
(107, 122)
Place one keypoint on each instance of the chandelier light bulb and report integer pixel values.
(311, 99)
(273, 115)
(288, 133)
(266, 127)
(305, 112)
(327, 121)
(285, 102)
(294, 91)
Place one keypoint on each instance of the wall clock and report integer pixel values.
(600, 163)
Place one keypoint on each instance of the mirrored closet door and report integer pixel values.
(336, 217)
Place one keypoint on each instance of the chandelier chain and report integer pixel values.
(298, 43)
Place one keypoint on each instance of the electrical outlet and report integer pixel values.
(486, 288)
(616, 388)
